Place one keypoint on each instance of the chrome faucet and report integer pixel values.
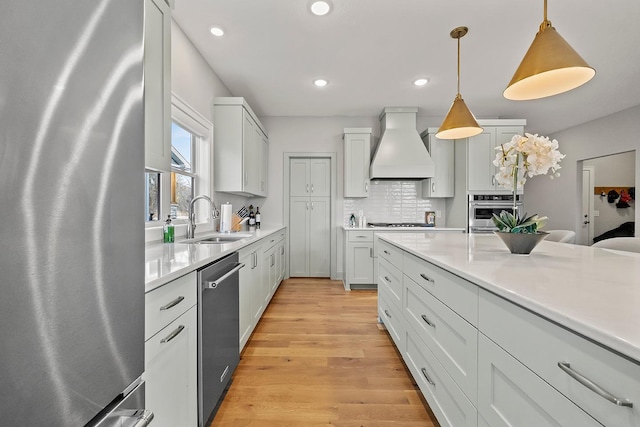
(191, 225)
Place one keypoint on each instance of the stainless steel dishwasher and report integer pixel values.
(218, 332)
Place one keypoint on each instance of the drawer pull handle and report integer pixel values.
(566, 367)
(370, 252)
(172, 303)
(426, 376)
(387, 314)
(426, 320)
(427, 278)
(172, 335)
(386, 278)
(387, 252)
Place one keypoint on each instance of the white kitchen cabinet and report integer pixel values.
(442, 154)
(541, 346)
(251, 303)
(157, 85)
(512, 395)
(310, 177)
(171, 353)
(357, 158)
(309, 246)
(359, 258)
(481, 154)
(240, 148)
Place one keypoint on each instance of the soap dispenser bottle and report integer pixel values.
(168, 230)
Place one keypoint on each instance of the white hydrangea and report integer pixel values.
(526, 156)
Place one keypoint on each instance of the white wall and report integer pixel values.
(616, 170)
(193, 80)
(560, 199)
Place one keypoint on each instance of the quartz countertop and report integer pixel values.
(592, 291)
(414, 229)
(168, 261)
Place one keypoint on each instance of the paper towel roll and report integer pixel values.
(226, 217)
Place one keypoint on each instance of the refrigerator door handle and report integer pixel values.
(144, 418)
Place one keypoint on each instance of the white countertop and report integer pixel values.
(167, 261)
(594, 292)
(414, 229)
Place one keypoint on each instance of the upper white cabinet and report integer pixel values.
(157, 85)
(442, 154)
(357, 157)
(241, 148)
(482, 152)
(310, 177)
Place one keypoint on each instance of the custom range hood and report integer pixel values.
(401, 154)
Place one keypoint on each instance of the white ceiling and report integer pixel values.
(372, 50)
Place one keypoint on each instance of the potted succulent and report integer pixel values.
(521, 158)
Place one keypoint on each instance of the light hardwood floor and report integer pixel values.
(319, 358)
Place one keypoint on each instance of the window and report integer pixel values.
(169, 193)
(183, 170)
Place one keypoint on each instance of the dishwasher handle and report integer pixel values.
(214, 283)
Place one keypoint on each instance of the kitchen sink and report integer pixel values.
(217, 239)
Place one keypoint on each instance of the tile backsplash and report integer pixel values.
(394, 201)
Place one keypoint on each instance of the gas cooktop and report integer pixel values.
(398, 224)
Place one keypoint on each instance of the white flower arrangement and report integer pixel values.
(524, 157)
(521, 158)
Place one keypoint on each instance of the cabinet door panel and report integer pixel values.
(319, 237)
(171, 373)
(516, 397)
(157, 81)
(299, 177)
(320, 177)
(357, 153)
(480, 161)
(299, 235)
(361, 267)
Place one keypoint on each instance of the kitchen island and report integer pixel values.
(499, 339)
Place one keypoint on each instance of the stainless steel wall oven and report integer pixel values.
(483, 206)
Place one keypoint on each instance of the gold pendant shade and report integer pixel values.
(550, 66)
(459, 121)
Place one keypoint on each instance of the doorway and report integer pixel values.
(309, 198)
(587, 220)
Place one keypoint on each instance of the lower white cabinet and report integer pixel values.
(171, 373)
(251, 304)
(263, 271)
(310, 236)
(450, 405)
(359, 258)
(513, 396)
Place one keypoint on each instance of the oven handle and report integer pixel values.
(214, 283)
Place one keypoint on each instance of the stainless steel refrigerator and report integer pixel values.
(71, 203)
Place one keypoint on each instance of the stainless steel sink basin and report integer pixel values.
(218, 239)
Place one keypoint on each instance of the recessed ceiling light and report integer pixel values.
(320, 8)
(217, 31)
(421, 82)
(320, 82)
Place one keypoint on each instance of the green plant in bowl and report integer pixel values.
(513, 223)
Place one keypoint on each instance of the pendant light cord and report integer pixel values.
(545, 22)
(459, 67)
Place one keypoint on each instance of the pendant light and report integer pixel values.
(549, 67)
(459, 122)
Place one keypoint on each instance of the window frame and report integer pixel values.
(194, 122)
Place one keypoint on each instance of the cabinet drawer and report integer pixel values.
(171, 373)
(390, 253)
(449, 404)
(391, 316)
(163, 305)
(512, 395)
(360, 236)
(541, 346)
(453, 340)
(390, 278)
(458, 294)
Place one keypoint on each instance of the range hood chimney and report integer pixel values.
(401, 154)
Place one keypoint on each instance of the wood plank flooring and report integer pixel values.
(319, 358)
